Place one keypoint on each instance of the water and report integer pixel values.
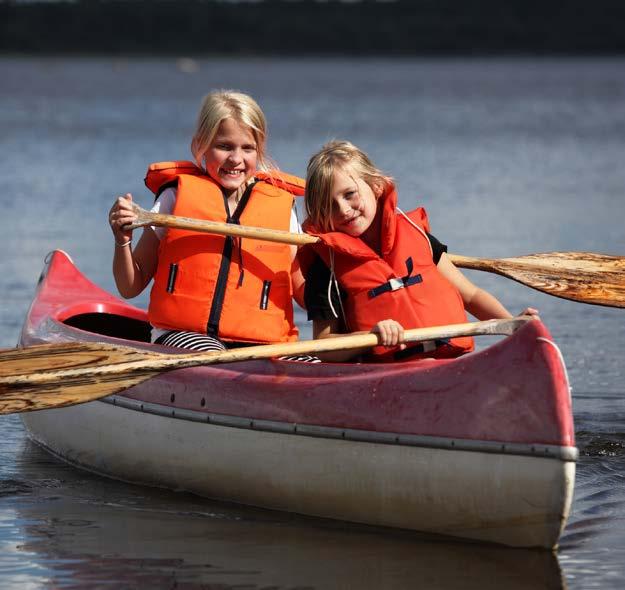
(510, 156)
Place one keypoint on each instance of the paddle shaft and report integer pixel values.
(103, 369)
(215, 227)
(598, 279)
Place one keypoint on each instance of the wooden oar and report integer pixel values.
(215, 227)
(57, 375)
(598, 279)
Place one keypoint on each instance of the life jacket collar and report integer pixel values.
(162, 174)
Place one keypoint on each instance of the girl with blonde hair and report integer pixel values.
(209, 291)
(376, 268)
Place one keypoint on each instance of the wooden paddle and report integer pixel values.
(598, 279)
(56, 375)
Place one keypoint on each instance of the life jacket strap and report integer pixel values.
(397, 283)
(420, 348)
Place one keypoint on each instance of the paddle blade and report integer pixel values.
(56, 375)
(70, 355)
(16, 397)
(598, 279)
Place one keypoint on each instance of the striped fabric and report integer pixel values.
(301, 358)
(205, 343)
(190, 340)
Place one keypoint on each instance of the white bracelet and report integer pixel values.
(123, 244)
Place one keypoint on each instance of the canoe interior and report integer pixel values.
(111, 324)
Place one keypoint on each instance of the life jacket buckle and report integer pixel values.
(395, 284)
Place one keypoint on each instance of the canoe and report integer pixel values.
(481, 447)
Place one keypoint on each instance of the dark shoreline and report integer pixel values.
(278, 27)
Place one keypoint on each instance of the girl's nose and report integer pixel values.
(235, 155)
(346, 209)
(343, 208)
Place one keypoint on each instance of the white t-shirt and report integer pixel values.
(165, 204)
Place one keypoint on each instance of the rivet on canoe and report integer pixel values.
(203, 402)
(172, 399)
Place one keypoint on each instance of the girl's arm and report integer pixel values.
(297, 277)
(297, 280)
(477, 302)
(132, 269)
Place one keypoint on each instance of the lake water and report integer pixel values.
(509, 156)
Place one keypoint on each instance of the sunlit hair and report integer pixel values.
(229, 104)
(319, 175)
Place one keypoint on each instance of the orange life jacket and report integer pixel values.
(235, 289)
(403, 283)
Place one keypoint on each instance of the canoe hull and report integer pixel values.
(481, 447)
(403, 486)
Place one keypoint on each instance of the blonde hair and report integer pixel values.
(319, 176)
(229, 104)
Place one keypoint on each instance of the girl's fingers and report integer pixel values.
(530, 311)
(118, 221)
(391, 332)
(120, 215)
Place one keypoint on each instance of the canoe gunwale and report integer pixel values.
(367, 436)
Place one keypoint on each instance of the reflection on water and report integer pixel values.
(81, 531)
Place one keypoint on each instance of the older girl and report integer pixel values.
(209, 290)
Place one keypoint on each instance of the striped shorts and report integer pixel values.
(190, 340)
(205, 343)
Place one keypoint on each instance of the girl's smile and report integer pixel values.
(232, 156)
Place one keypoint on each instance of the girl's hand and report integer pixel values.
(121, 214)
(391, 333)
(531, 312)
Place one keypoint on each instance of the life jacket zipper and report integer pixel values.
(212, 326)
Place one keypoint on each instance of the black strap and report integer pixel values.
(402, 355)
(398, 283)
(212, 326)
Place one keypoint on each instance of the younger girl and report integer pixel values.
(376, 268)
(211, 289)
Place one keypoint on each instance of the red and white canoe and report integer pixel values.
(481, 447)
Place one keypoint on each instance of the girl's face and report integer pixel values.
(354, 203)
(232, 155)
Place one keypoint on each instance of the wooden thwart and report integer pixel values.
(58, 375)
(598, 279)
